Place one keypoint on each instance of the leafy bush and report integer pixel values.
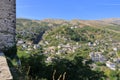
(35, 67)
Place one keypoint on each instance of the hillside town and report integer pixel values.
(99, 50)
(67, 42)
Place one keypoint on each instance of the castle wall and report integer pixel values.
(7, 23)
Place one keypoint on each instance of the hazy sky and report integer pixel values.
(68, 9)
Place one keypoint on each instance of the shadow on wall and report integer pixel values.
(1, 54)
(11, 52)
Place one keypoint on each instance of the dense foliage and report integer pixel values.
(75, 69)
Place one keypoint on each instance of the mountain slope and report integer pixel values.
(33, 29)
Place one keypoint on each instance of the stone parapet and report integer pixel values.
(5, 73)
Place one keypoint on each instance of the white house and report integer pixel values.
(111, 65)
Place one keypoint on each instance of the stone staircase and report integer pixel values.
(5, 73)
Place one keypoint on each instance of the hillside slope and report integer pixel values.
(43, 43)
(33, 29)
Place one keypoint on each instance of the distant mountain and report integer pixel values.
(103, 22)
(112, 20)
(33, 29)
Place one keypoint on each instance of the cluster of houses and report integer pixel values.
(98, 54)
(61, 49)
(111, 59)
(97, 57)
(28, 45)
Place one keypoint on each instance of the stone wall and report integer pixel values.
(5, 73)
(7, 23)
